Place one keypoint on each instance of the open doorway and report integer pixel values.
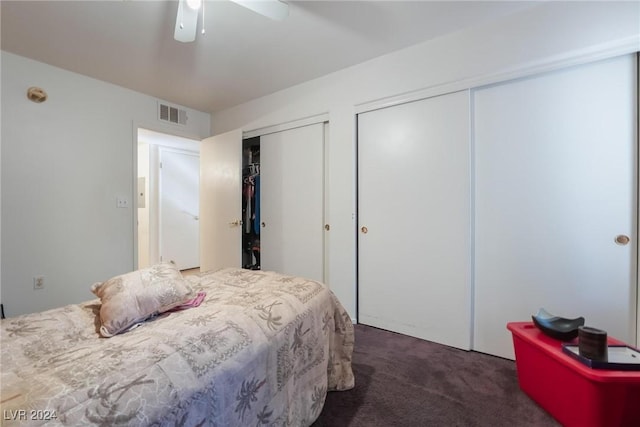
(168, 199)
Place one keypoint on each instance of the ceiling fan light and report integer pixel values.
(194, 4)
(186, 23)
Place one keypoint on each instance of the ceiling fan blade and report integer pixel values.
(274, 9)
(186, 23)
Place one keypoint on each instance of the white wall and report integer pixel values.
(64, 162)
(549, 35)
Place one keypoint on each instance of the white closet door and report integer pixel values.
(556, 165)
(179, 208)
(414, 219)
(292, 201)
(221, 201)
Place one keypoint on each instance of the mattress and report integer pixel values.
(261, 349)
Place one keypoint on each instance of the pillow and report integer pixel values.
(133, 297)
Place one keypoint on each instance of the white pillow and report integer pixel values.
(133, 297)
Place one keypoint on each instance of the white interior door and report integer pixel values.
(556, 164)
(179, 208)
(414, 219)
(220, 201)
(292, 201)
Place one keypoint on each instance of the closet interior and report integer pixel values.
(251, 203)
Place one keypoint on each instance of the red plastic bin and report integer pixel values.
(573, 393)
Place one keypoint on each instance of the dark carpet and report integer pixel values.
(405, 381)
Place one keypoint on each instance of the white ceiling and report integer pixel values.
(242, 56)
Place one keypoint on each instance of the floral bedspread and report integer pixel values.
(262, 349)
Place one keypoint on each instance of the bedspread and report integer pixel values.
(262, 349)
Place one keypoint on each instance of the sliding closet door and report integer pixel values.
(556, 165)
(292, 201)
(414, 219)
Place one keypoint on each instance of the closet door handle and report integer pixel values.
(364, 230)
(622, 239)
(263, 224)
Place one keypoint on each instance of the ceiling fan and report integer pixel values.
(188, 11)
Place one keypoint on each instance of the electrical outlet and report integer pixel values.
(38, 282)
(122, 202)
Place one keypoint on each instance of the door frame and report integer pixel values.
(256, 132)
(160, 187)
(178, 138)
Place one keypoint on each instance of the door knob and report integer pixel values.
(263, 224)
(621, 239)
(235, 223)
(327, 227)
(365, 230)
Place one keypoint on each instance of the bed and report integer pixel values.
(260, 349)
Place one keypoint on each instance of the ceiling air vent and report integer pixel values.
(167, 113)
